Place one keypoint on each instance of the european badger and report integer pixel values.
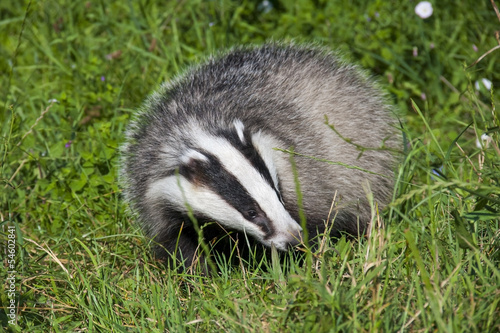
(206, 144)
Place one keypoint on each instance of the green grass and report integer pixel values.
(83, 265)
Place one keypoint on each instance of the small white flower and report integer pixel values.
(485, 141)
(424, 9)
(478, 144)
(53, 100)
(486, 83)
(265, 6)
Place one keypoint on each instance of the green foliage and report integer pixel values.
(72, 74)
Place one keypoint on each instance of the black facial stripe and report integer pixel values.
(252, 155)
(213, 175)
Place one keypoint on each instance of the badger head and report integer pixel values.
(228, 175)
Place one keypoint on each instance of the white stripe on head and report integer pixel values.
(264, 145)
(258, 188)
(179, 191)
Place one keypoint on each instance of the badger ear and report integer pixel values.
(238, 125)
(191, 163)
(192, 156)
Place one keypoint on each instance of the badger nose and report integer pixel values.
(293, 243)
(295, 238)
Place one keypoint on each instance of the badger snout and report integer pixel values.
(287, 239)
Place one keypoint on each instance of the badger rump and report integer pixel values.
(211, 150)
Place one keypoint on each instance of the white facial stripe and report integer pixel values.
(235, 163)
(239, 129)
(259, 141)
(201, 200)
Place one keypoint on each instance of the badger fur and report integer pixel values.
(216, 143)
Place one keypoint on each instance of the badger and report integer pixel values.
(255, 140)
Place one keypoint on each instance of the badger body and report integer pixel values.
(216, 143)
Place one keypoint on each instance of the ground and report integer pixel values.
(74, 72)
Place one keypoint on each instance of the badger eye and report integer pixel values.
(252, 213)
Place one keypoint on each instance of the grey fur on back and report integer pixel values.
(284, 91)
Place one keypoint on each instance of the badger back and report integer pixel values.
(205, 143)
